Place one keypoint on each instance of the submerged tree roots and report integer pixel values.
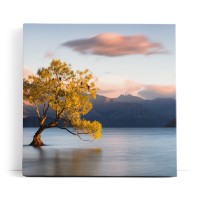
(37, 141)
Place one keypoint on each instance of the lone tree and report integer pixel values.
(67, 93)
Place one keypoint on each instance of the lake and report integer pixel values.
(121, 152)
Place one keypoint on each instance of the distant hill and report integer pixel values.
(128, 99)
(124, 111)
(171, 124)
(34, 122)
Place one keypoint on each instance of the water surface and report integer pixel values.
(121, 152)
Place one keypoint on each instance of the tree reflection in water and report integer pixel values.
(46, 161)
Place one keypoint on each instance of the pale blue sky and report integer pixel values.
(154, 69)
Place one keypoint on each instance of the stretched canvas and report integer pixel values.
(99, 100)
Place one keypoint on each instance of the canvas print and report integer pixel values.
(99, 100)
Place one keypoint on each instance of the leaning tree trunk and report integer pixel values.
(37, 138)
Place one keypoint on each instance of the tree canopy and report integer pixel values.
(67, 93)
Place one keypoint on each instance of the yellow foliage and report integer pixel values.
(67, 92)
(94, 129)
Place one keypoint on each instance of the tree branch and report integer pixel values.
(56, 95)
(60, 112)
(45, 111)
(84, 139)
(77, 134)
(66, 130)
(44, 107)
(37, 110)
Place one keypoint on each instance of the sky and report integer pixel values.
(134, 59)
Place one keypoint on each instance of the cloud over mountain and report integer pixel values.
(154, 91)
(146, 91)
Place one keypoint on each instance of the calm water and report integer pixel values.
(121, 152)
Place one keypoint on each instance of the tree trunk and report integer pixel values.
(37, 138)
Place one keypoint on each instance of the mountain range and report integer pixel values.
(124, 111)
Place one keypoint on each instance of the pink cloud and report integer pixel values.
(112, 44)
(154, 91)
(49, 54)
(27, 103)
(26, 73)
(115, 90)
(137, 89)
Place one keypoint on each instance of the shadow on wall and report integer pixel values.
(15, 128)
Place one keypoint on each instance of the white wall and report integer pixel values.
(184, 13)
